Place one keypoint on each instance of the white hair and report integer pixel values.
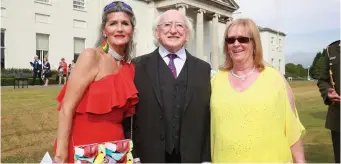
(188, 23)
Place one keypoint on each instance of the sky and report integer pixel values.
(310, 25)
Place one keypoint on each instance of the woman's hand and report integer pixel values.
(61, 157)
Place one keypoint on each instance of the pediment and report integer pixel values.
(231, 4)
(227, 3)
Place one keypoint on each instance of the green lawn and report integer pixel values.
(29, 123)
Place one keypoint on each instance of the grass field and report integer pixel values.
(29, 123)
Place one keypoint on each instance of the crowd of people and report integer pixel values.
(42, 70)
(171, 108)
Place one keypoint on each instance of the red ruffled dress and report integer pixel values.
(99, 114)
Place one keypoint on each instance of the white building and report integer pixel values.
(63, 28)
(272, 44)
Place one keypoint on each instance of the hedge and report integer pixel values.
(15, 73)
(10, 81)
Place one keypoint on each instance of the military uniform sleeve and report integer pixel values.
(324, 80)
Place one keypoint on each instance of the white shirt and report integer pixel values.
(179, 61)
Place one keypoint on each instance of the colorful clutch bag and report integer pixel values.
(107, 152)
(119, 151)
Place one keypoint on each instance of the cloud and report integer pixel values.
(304, 58)
(310, 25)
(293, 16)
(310, 42)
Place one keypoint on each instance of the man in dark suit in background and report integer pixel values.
(172, 121)
(329, 85)
(37, 69)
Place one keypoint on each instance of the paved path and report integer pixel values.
(33, 86)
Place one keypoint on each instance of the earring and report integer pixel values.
(105, 46)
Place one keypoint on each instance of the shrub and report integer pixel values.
(14, 72)
(26, 73)
(10, 81)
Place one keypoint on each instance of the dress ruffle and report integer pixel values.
(115, 91)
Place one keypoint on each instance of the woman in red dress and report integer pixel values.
(100, 92)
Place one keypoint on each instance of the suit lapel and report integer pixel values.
(190, 79)
(152, 69)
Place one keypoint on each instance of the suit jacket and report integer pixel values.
(331, 61)
(149, 125)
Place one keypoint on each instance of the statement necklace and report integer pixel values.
(114, 54)
(243, 77)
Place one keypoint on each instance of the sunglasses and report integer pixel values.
(116, 3)
(231, 40)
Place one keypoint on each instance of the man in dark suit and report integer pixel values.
(172, 121)
(37, 69)
(329, 85)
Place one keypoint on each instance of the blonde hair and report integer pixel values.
(254, 34)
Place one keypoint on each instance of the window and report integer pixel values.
(272, 62)
(3, 48)
(279, 65)
(3, 12)
(272, 40)
(279, 47)
(79, 23)
(79, 45)
(42, 18)
(79, 4)
(43, 1)
(42, 45)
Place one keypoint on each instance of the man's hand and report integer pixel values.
(333, 96)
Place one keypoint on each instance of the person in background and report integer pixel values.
(329, 86)
(47, 71)
(71, 66)
(36, 64)
(172, 121)
(253, 114)
(62, 71)
(100, 92)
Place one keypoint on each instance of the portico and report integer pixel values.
(209, 19)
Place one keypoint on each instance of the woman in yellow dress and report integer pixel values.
(253, 117)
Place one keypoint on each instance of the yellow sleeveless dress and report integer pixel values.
(256, 125)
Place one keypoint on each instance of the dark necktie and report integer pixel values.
(171, 64)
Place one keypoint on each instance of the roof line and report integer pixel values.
(261, 29)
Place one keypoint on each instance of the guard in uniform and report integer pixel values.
(329, 86)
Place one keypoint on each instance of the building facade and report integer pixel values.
(63, 28)
(272, 44)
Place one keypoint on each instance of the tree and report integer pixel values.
(296, 71)
(290, 70)
(301, 71)
(317, 65)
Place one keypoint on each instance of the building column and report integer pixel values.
(215, 47)
(200, 35)
(182, 7)
(229, 21)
